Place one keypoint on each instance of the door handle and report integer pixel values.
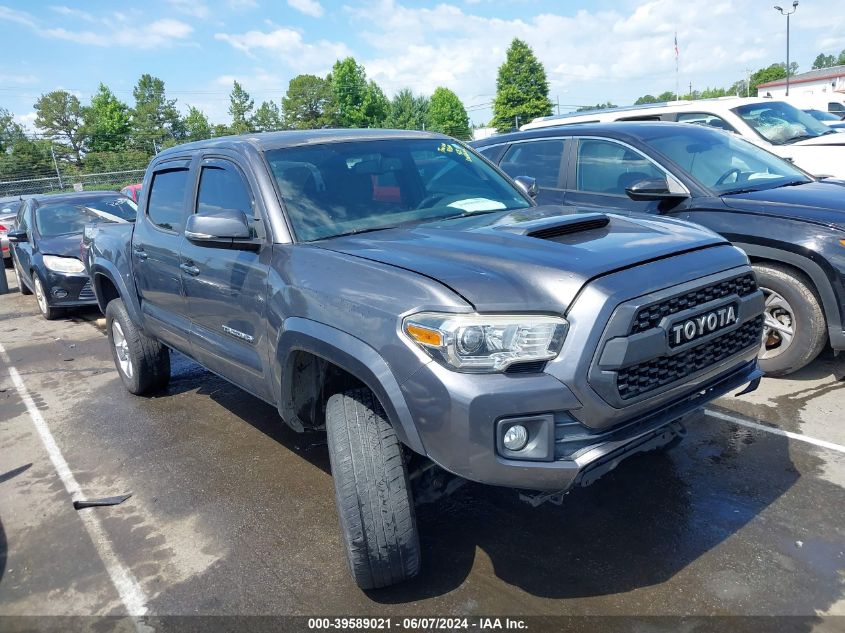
(190, 269)
(140, 253)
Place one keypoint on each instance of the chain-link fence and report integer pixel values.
(70, 182)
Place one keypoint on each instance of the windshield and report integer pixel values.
(780, 123)
(821, 115)
(350, 187)
(721, 161)
(71, 216)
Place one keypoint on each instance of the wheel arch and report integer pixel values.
(820, 280)
(300, 336)
(108, 285)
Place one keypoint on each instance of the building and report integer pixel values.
(823, 88)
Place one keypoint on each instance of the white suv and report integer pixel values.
(773, 125)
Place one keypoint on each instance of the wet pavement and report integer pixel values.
(231, 513)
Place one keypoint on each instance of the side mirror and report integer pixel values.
(652, 189)
(17, 235)
(227, 228)
(528, 185)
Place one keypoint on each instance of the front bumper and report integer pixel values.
(68, 289)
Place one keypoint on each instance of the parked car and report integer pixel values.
(791, 225)
(830, 120)
(132, 191)
(394, 289)
(46, 245)
(8, 211)
(773, 125)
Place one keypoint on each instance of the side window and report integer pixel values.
(539, 159)
(20, 221)
(705, 118)
(492, 152)
(167, 199)
(223, 188)
(607, 167)
(836, 107)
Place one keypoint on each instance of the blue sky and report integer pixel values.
(592, 51)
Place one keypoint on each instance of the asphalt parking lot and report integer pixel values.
(231, 513)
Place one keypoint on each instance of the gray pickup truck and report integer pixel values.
(399, 292)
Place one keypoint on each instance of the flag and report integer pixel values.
(676, 46)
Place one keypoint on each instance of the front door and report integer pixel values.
(156, 242)
(226, 287)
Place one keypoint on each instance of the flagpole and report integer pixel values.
(677, 75)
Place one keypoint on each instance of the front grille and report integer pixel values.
(650, 316)
(653, 374)
(86, 293)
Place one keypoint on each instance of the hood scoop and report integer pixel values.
(550, 228)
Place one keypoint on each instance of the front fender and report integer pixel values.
(352, 355)
(103, 268)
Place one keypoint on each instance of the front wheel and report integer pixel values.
(372, 491)
(794, 327)
(47, 311)
(142, 362)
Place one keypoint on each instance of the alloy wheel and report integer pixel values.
(121, 348)
(778, 325)
(39, 295)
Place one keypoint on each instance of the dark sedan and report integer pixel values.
(46, 245)
(791, 225)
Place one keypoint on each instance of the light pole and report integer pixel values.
(787, 14)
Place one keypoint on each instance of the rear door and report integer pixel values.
(543, 159)
(226, 288)
(156, 242)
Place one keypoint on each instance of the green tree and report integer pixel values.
(307, 104)
(447, 114)
(599, 106)
(374, 107)
(349, 87)
(196, 125)
(840, 61)
(645, 99)
(26, 158)
(407, 112)
(522, 90)
(824, 61)
(666, 95)
(154, 117)
(240, 106)
(10, 131)
(107, 121)
(267, 117)
(765, 75)
(61, 116)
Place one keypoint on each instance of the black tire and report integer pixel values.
(43, 299)
(803, 312)
(372, 491)
(149, 368)
(22, 287)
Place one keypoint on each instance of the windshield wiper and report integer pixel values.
(801, 137)
(358, 232)
(465, 214)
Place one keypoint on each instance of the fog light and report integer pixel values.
(59, 293)
(516, 437)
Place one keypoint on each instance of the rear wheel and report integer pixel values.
(794, 327)
(142, 362)
(372, 491)
(47, 311)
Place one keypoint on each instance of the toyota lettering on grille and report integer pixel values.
(702, 325)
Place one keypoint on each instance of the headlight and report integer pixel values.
(483, 344)
(64, 264)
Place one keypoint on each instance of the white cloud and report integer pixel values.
(27, 121)
(308, 7)
(193, 8)
(19, 17)
(18, 79)
(242, 5)
(75, 13)
(288, 47)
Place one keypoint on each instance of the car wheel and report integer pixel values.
(47, 311)
(372, 491)
(142, 362)
(794, 327)
(22, 287)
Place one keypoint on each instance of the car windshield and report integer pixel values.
(723, 162)
(71, 216)
(821, 115)
(355, 186)
(781, 123)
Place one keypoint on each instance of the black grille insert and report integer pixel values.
(653, 374)
(86, 292)
(551, 232)
(650, 316)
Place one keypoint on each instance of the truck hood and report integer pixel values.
(62, 245)
(822, 202)
(496, 265)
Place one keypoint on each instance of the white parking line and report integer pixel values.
(127, 586)
(769, 429)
